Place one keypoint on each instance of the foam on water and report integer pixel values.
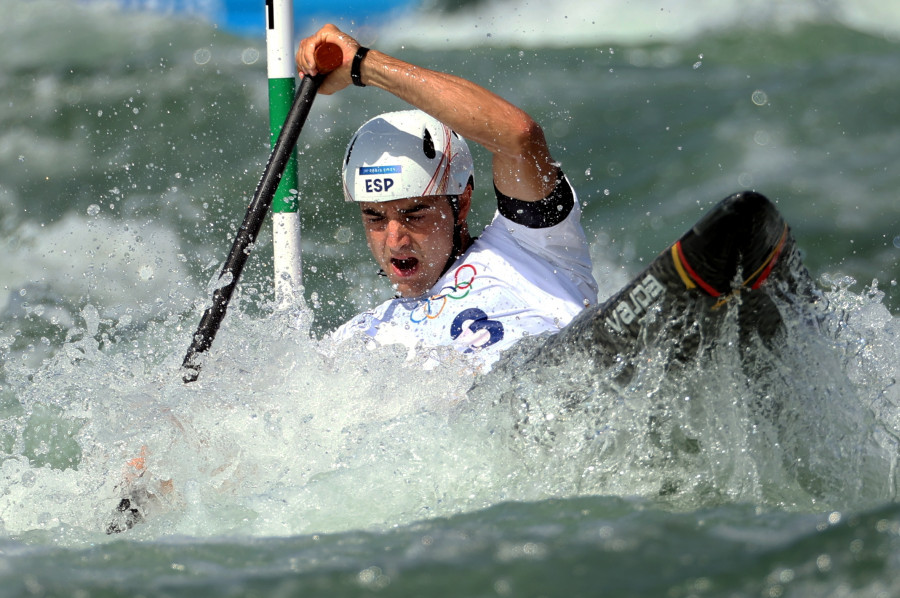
(128, 272)
(285, 435)
(272, 413)
(529, 24)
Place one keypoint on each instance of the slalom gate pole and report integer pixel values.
(285, 204)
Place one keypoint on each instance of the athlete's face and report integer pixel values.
(411, 239)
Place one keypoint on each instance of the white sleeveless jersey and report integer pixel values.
(514, 281)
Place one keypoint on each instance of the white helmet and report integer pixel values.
(405, 154)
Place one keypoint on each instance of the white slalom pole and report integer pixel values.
(285, 206)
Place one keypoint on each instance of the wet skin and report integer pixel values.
(411, 239)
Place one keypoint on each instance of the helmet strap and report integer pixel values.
(458, 248)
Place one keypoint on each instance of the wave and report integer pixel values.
(572, 23)
(129, 147)
(284, 435)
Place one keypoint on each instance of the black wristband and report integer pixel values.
(354, 68)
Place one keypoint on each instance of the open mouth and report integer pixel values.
(404, 267)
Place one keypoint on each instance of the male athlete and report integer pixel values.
(412, 175)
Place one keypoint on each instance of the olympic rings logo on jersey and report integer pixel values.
(432, 308)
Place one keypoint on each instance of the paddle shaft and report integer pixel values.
(253, 220)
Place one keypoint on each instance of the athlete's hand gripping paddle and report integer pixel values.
(328, 58)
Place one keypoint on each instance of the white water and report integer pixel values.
(286, 435)
(573, 23)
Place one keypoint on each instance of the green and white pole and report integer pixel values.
(285, 205)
